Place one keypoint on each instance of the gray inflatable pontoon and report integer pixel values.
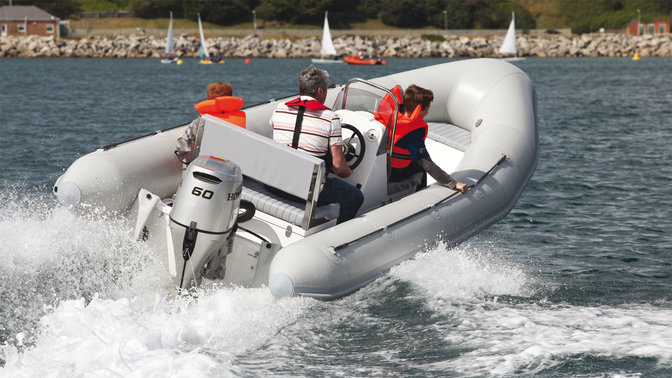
(216, 219)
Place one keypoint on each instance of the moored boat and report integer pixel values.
(170, 48)
(328, 53)
(216, 219)
(203, 51)
(508, 47)
(361, 61)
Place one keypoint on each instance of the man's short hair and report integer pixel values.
(311, 79)
(219, 89)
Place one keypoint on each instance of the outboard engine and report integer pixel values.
(203, 219)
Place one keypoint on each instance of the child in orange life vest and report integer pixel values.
(222, 104)
(409, 154)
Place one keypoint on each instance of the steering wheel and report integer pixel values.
(354, 146)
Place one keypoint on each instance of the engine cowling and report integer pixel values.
(203, 218)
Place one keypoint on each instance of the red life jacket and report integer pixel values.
(401, 158)
(385, 110)
(310, 104)
(224, 107)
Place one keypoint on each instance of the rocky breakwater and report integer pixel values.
(586, 45)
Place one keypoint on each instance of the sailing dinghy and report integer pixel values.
(170, 45)
(509, 45)
(215, 219)
(203, 52)
(328, 49)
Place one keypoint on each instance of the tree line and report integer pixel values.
(579, 15)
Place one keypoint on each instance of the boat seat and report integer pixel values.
(269, 163)
(281, 207)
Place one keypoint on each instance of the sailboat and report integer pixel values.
(205, 56)
(169, 44)
(509, 44)
(328, 48)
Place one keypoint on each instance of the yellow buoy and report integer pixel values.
(636, 56)
(179, 62)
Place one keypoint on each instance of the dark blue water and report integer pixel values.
(575, 281)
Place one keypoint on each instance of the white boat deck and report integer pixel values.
(450, 135)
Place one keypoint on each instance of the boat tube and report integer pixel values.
(216, 219)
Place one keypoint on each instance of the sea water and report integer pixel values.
(575, 281)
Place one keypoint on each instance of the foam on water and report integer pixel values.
(177, 337)
(81, 298)
(86, 299)
(506, 334)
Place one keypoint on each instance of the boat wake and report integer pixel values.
(500, 316)
(81, 297)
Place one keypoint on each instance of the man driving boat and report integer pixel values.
(306, 124)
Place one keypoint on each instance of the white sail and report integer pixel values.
(509, 45)
(327, 44)
(204, 47)
(169, 38)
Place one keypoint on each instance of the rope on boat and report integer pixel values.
(341, 246)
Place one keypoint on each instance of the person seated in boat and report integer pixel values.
(221, 103)
(409, 153)
(306, 124)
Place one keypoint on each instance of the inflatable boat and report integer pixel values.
(356, 60)
(216, 219)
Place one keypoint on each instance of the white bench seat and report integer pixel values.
(266, 162)
(283, 208)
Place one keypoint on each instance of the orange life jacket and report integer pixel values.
(385, 110)
(224, 107)
(401, 158)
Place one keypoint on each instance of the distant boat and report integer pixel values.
(169, 44)
(328, 48)
(509, 44)
(357, 60)
(205, 56)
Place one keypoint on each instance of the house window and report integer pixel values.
(661, 28)
(651, 28)
(21, 28)
(640, 29)
(50, 28)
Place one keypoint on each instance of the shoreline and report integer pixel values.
(454, 46)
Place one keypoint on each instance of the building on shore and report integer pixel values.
(657, 27)
(21, 20)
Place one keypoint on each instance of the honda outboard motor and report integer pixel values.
(203, 219)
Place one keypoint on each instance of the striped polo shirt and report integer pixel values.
(320, 129)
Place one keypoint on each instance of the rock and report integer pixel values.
(147, 46)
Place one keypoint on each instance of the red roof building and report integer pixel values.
(656, 27)
(27, 20)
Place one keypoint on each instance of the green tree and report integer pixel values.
(403, 13)
(154, 9)
(368, 8)
(458, 14)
